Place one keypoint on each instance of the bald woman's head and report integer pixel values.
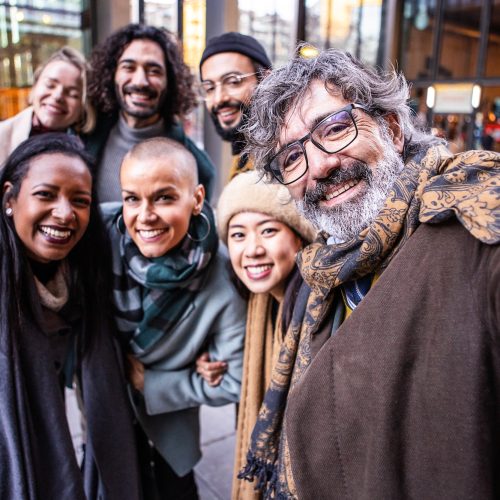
(160, 193)
(171, 153)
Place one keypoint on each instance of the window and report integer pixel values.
(272, 23)
(350, 25)
(29, 34)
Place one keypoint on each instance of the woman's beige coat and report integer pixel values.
(13, 131)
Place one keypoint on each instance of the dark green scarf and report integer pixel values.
(150, 295)
(431, 188)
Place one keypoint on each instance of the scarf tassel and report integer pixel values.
(265, 472)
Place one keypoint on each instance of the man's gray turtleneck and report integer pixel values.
(121, 139)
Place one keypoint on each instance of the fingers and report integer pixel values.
(135, 364)
(212, 371)
(136, 372)
(203, 358)
(216, 381)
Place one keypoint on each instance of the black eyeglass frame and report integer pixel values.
(308, 136)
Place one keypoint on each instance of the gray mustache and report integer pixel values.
(355, 171)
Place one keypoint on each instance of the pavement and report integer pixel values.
(214, 472)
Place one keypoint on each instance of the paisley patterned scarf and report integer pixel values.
(151, 295)
(433, 187)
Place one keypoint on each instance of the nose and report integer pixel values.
(220, 94)
(254, 247)
(320, 164)
(63, 211)
(58, 92)
(139, 77)
(146, 214)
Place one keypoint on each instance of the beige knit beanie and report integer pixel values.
(247, 192)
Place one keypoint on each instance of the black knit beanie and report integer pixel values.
(236, 42)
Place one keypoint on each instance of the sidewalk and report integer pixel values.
(214, 471)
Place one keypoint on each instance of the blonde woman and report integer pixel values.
(58, 102)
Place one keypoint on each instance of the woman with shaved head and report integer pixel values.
(173, 299)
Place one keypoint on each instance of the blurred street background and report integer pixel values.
(214, 471)
(448, 49)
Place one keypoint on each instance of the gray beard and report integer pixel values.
(347, 220)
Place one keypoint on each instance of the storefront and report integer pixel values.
(450, 51)
(29, 32)
(446, 48)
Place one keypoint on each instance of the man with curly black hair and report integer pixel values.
(141, 88)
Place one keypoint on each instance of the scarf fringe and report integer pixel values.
(266, 474)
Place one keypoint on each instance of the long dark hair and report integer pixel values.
(180, 95)
(88, 260)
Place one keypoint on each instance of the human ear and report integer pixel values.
(199, 197)
(6, 191)
(395, 132)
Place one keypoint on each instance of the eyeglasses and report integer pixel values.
(230, 84)
(330, 135)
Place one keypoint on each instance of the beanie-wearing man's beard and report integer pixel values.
(232, 135)
(348, 219)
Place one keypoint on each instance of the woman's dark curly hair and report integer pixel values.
(181, 97)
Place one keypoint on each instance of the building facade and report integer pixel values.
(448, 49)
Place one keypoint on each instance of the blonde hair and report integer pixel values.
(72, 56)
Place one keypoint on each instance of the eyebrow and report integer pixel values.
(57, 188)
(145, 63)
(261, 223)
(225, 75)
(56, 80)
(157, 192)
(318, 119)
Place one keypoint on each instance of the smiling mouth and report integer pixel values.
(342, 189)
(56, 235)
(150, 234)
(258, 272)
(55, 110)
(140, 96)
(227, 114)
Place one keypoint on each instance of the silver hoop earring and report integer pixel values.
(9, 211)
(120, 225)
(209, 227)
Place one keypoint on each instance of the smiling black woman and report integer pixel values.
(58, 361)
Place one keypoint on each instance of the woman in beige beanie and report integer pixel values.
(263, 232)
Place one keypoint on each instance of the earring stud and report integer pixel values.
(8, 211)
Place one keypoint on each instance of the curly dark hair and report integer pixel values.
(181, 97)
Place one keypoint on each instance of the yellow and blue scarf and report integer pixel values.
(433, 187)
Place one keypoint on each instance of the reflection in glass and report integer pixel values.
(493, 54)
(272, 23)
(460, 39)
(30, 31)
(417, 33)
(354, 26)
(161, 13)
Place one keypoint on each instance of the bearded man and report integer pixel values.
(388, 382)
(142, 89)
(231, 66)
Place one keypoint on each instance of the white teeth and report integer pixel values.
(151, 233)
(343, 189)
(225, 114)
(55, 233)
(258, 269)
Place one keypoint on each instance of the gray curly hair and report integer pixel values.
(383, 94)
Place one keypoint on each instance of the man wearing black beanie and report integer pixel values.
(231, 66)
